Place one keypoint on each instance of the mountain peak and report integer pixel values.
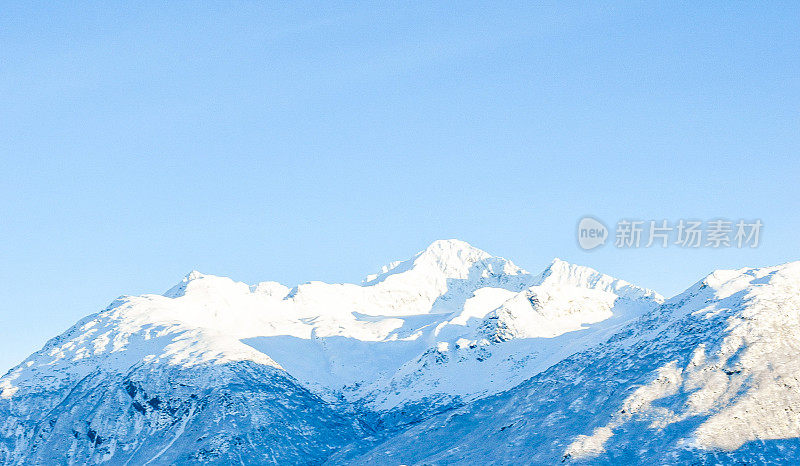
(561, 272)
(180, 288)
(451, 253)
(194, 275)
(197, 281)
(726, 282)
(560, 263)
(445, 258)
(450, 245)
(451, 325)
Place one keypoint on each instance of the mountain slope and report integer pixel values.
(238, 411)
(453, 356)
(137, 384)
(221, 371)
(709, 376)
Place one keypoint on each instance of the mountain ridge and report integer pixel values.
(452, 328)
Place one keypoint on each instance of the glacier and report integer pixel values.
(454, 356)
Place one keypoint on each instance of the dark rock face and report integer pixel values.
(163, 415)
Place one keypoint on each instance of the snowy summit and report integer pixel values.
(567, 364)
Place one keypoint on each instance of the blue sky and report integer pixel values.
(317, 142)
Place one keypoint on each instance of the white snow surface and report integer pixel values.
(711, 376)
(469, 357)
(748, 388)
(453, 322)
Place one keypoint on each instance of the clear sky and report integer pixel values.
(265, 141)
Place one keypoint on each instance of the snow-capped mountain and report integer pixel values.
(710, 376)
(445, 357)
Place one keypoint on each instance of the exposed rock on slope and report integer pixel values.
(453, 356)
